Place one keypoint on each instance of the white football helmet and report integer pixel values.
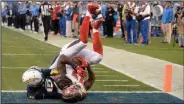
(33, 76)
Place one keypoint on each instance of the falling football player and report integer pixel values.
(65, 78)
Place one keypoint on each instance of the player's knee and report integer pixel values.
(96, 59)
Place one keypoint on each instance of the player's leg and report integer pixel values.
(90, 56)
(84, 30)
(74, 49)
(97, 43)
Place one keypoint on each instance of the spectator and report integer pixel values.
(180, 26)
(3, 15)
(22, 10)
(82, 13)
(10, 14)
(131, 23)
(104, 11)
(167, 19)
(115, 18)
(75, 15)
(145, 12)
(17, 16)
(34, 8)
(68, 13)
(109, 20)
(62, 21)
(55, 19)
(123, 19)
(120, 11)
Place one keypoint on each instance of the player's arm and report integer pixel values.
(40, 92)
(36, 92)
(63, 60)
(88, 84)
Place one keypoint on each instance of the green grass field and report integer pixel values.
(20, 52)
(154, 49)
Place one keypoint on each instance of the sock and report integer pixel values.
(84, 30)
(97, 43)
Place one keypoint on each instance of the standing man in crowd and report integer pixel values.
(167, 19)
(34, 8)
(75, 16)
(3, 15)
(120, 9)
(104, 12)
(110, 20)
(55, 19)
(144, 12)
(179, 15)
(16, 16)
(45, 10)
(22, 10)
(10, 14)
(62, 21)
(131, 23)
(68, 13)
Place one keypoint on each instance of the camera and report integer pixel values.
(178, 11)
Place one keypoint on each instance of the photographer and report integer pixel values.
(180, 24)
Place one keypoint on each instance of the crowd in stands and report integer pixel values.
(134, 21)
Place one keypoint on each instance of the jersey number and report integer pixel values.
(48, 85)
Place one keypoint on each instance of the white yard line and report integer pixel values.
(125, 92)
(19, 47)
(16, 67)
(123, 85)
(97, 91)
(9, 54)
(101, 71)
(96, 68)
(107, 75)
(111, 80)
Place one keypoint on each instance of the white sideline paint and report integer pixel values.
(123, 85)
(10, 54)
(97, 91)
(111, 80)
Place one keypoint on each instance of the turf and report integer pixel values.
(15, 60)
(155, 49)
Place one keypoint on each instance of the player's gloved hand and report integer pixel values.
(80, 71)
(83, 62)
(54, 72)
(97, 23)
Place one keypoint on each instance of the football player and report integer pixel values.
(70, 63)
